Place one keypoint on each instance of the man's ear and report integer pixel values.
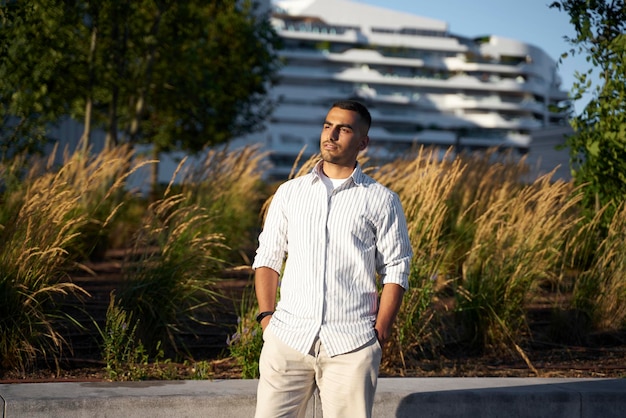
(364, 141)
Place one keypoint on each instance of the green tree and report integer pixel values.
(178, 75)
(598, 146)
(36, 61)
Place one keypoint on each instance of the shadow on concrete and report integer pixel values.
(603, 398)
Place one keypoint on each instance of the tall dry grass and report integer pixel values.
(485, 239)
(424, 184)
(190, 233)
(101, 180)
(489, 238)
(517, 245)
(45, 213)
(600, 289)
(228, 184)
(33, 272)
(487, 176)
(247, 340)
(169, 277)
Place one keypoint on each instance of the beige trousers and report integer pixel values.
(346, 383)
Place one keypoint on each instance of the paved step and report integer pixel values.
(396, 397)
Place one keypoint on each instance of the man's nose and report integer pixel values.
(334, 134)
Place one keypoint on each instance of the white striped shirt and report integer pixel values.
(335, 244)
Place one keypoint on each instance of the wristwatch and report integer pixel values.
(262, 315)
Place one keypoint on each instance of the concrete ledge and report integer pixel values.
(396, 397)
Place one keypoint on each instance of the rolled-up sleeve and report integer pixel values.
(394, 252)
(273, 238)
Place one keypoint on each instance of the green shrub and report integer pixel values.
(246, 343)
(124, 357)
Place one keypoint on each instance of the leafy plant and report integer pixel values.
(597, 152)
(122, 353)
(201, 370)
(246, 343)
(143, 71)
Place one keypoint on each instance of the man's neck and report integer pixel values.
(333, 171)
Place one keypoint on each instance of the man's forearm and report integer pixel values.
(390, 301)
(265, 287)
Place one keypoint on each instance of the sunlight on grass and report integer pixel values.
(44, 222)
(487, 241)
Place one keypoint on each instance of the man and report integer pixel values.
(340, 229)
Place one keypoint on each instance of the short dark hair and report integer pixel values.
(357, 107)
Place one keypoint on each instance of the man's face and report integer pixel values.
(344, 134)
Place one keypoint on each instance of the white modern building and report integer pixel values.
(422, 84)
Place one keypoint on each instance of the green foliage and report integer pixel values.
(227, 56)
(201, 370)
(416, 327)
(598, 146)
(125, 357)
(122, 354)
(174, 74)
(246, 343)
(39, 70)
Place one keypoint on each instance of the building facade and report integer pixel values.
(422, 84)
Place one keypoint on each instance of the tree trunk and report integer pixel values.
(154, 173)
(111, 137)
(143, 91)
(85, 139)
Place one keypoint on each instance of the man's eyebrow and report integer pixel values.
(339, 125)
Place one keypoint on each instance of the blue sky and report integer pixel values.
(529, 21)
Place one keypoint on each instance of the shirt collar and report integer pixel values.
(358, 177)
